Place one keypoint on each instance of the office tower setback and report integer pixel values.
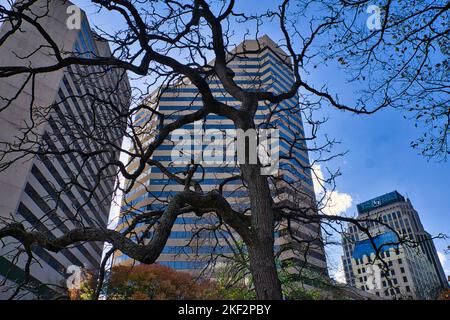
(414, 272)
(191, 246)
(75, 108)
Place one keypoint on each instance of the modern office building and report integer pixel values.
(414, 271)
(190, 245)
(74, 108)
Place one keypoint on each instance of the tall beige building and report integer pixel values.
(54, 194)
(191, 246)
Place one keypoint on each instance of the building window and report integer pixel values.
(405, 279)
(402, 270)
(408, 289)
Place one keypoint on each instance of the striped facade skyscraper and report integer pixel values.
(191, 246)
(54, 194)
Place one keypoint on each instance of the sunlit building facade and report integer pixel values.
(191, 246)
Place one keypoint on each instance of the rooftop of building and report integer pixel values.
(380, 201)
(248, 46)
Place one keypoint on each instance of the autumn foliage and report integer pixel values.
(156, 282)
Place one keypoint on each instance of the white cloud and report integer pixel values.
(333, 202)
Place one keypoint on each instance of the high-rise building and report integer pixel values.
(190, 246)
(74, 108)
(413, 271)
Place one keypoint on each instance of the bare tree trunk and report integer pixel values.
(261, 252)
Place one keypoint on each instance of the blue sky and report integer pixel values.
(379, 157)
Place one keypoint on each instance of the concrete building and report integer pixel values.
(71, 108)
(190, 247)
(413, 272)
